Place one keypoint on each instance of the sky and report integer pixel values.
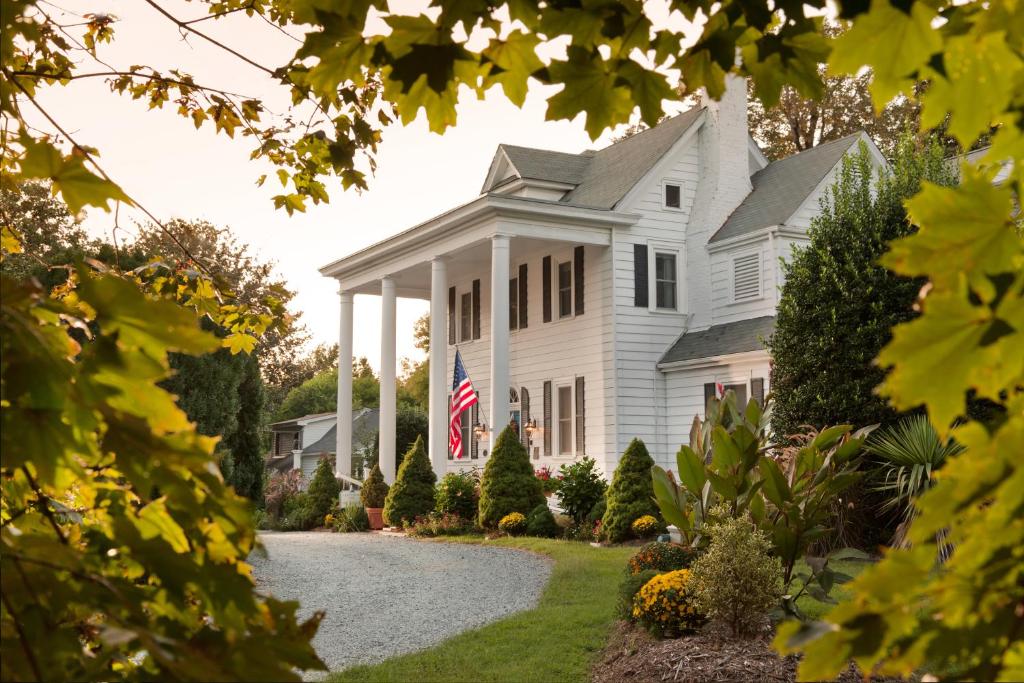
(176, 171)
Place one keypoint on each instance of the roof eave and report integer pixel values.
(707, 361)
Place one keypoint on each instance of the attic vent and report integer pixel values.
(746, 277)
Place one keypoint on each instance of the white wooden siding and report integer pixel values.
(724, 309)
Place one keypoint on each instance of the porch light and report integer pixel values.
(479, 431)
(531, 427)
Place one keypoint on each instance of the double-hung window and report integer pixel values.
(466, 317)
(513, 304)
(565, 289)
(665, 281)
(565, 417)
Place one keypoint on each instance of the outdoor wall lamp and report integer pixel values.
(479, 431)
(531, 427)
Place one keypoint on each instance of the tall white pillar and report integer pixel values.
(438, 413)
(388, 388)
(343, 445)
(499, 336)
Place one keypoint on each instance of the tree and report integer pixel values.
(839, 304)
(412, 494)
(245, 443)
(508, 483)
(320, 394)
(414, 383)
(292, 370)
(324, 489)
(631, 494)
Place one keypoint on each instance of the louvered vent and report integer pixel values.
(746, 277)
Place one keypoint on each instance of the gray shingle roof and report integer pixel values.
(602, 178)
(721, 340)
(781, 187)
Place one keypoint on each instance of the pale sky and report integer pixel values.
(178, 172)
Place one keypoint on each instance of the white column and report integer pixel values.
(499, 336)
(438, 414)
(343, 445)
(388, 389)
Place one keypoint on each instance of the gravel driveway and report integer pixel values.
(388, 595)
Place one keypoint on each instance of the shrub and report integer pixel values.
(413, 492)
(456, 495)
(584, 533)
(375, 490)
(663, 557)
(541, 522)
(513, 524)
(631, 494)
(508, 483)
(548, 481)
(351, 518)
(581, 488)
(280, 488)
(643, 527)
(597, 512)
(666, 606)
(441, 524)
(737, 580)
(300, 514)
(629, 587)
(325, 488)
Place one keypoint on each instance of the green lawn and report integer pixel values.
(557, 641)
(814, 609)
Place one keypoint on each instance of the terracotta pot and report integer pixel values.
(376, 516)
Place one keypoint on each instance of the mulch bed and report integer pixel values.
(634, 655)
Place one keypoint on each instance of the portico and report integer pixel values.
(427, 262)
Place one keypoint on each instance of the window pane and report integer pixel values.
(665, 280)
(666, 294)
(513, 304)
(564, 289)
(467, 317)
(672, 196)
(741, 394)
(564, 420)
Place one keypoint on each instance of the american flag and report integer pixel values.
(463, 396)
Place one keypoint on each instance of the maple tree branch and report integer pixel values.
(23, 638)
(133, 74)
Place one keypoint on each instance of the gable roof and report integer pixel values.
(364, 423)
(782, 186)
(603, 177)
(721, 340)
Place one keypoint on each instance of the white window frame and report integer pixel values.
(679, 250)
(556, 424)
(682, 193)
(760, 276)
(745, 380)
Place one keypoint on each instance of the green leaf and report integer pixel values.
(725, 452)
(669, 498)
(155, 522)
(722, 486)
(515, 60)
(691, 470)
(827, 437)
(776, 488)
(239, 342)
(79, 186)
(591, 87)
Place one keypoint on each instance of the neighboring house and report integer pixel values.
(299, 444)
(600, 296)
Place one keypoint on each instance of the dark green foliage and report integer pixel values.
(412, 494)
(350, 519)
(441, 524)
(410, 423)
(325, 489)
(629, 587)
(581, 488)
(456, 495)
(631, 494)
(245, 444)
(838, 305)
(300, 514)
(508, 484)
(320, 394)
(663, 557)
(375, 490)
(540, 522)
(597, 512)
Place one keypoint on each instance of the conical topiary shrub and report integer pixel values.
(412, 494)
(631, 494)
(508, 484)
(324, 490)
(374, 491)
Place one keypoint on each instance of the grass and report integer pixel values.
(813, 609)
(556, 641)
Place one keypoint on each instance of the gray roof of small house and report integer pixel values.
(721, 340)
(365, 421)
(782, 186)
(603, 177)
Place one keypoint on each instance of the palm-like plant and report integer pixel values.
(908, 453)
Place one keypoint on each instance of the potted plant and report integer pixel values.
(373, 493)
(548, 482)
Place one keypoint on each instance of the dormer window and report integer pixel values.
(673, 195)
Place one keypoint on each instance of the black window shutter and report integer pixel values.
(640, 275)
(581, 419)
(524, 417)
(523, 296)
(474, 448)
(577, 271)
(451, 315)
(545, 277)
(476, 309)
(757, 390)
(547, 418)
(709, 393)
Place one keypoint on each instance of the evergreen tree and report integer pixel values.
(412, 494)
(324, 490)
(838, 305)
(245, 442)
(509, 483)
(374, 491)
(631, 494)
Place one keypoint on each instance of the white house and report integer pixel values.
(599, 296)
(299, 443)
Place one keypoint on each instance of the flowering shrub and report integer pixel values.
(549, 482)
(663, 557)
(644, 526)
(665, 605)
(457, 494)
(280, 487)
(513, 524)
(440, 524)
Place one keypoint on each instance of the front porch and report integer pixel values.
(515, 284)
